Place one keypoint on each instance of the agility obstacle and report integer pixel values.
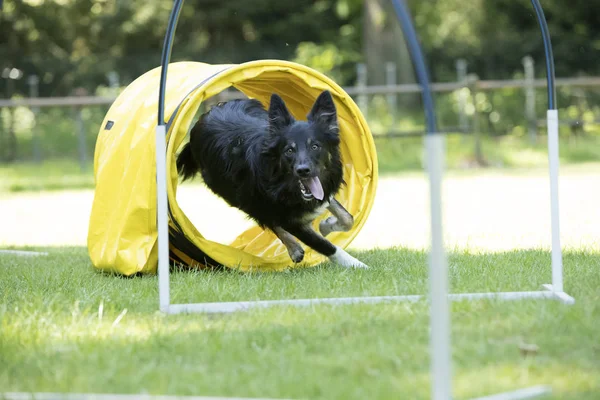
(123, 232)
(141, 229)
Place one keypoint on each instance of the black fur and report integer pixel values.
(244, 155)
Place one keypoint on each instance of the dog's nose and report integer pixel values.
(303, 171)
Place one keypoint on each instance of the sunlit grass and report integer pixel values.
(66, 327)
(395, 155)
(504, 153)
(48, 175)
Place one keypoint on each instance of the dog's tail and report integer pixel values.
(187, 166)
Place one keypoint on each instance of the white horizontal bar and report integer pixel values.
(565, 298)
(528, 393)
(94, 396)
(561, 296)
(233, 306)
(24, 253)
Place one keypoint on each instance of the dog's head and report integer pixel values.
(306, 152)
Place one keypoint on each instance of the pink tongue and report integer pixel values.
(314, 185)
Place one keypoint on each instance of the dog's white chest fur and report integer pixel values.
(308, 218)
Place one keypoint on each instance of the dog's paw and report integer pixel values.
(297, 255)
(358, 264)
(327, 226)
(344, 259)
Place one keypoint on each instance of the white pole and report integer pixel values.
(361, 83)
(238, 306)
(162, 217)
(438, 276)
(521, 394)
(557, 267)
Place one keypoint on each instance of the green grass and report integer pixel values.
(48, 175)
(60, 330)
(395, 155)
(508, 152)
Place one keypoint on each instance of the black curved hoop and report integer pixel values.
(419, 63)
(414, 47)
(166, 57)
(405, 22)
(539, 11)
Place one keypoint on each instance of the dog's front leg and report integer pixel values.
(340, 221)
(336, 254)
(294, 249)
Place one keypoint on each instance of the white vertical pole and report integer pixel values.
(390, 80)
(528, 65)
(461, 77)
(162, 217)
(361, 83)
(557, 267)
(438, 275)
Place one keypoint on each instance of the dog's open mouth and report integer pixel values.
(311, 188)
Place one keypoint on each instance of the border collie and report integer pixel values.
(281, 172)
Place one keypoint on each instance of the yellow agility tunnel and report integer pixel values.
(122, 234)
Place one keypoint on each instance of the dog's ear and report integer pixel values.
(279, 116)
(324, 113)
(271, 144)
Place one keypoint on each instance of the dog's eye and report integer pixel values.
(289, 151)
(315, 147)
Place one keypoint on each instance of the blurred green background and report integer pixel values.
(61, 48)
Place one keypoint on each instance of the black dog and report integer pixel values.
(283, 173)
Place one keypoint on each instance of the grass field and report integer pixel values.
(395, 156)
(64, 326)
